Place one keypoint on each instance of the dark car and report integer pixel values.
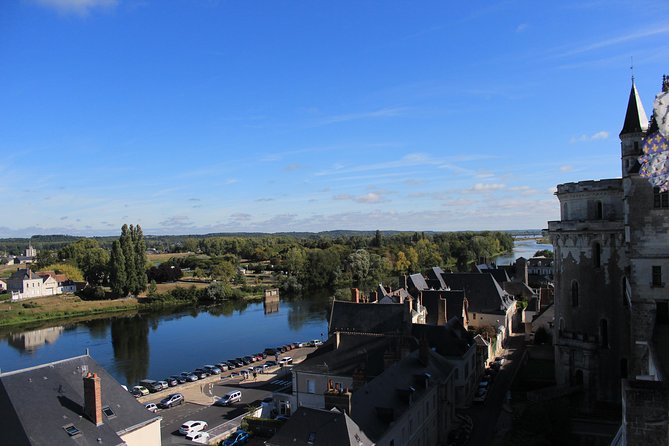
(250, 359)
(180, 379)
(231, 364)
(239, 437)
(244, 361)
(263, 354)
(174, 399)
(201, 374)
(270, 351)
(136, 393)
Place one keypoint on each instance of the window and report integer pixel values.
(657, 277)
(71, 430)
(311, 386)
(473, 316)
(604, 332)
(108, 411)
(574, 293)
(599, 212)
(597, 255)
(660, 199)
(662, 313)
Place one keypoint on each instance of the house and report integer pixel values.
(411, 402)
(25, 284)
(488, 304)
(317, 427)
(3, 286)
(72, 402)
(457, 347)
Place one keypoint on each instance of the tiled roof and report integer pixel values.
(36, 404)
(483, 293)
(451, 339)
(351, 317)
(635, 117)
(317, 427)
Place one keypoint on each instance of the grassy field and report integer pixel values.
(7, 270)
(59, 307)
(164, 287)
(157, 259)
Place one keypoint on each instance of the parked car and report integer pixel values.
(152, 385)
(270, 364)
(317, 343)
(171, 381)
(303, 344)
(212, 369)
(295, 345)
(136, 393)
(175, 399)
(231, 364)
(263, 355)
(163, 385)
(151, 407)
(180, 379)
(189, 376)
(285, 361)
(198, 437)
(229, 398)
(270, 351)
(239, 437)
(143, 391)
(250, 359)
(223, 366)
(192, 426)
(200, 373)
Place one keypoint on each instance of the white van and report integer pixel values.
(229, 398)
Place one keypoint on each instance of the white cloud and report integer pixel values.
(371, 197)
(388, 112)
(79, 7)
(486, 187)
(629, 37)
(602, 134)
(566, 168)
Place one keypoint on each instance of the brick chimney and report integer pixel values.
(93, 398)
(355, 295)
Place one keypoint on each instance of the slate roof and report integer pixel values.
(418, 282)
(36, 403)
(434, 279)
(449, 340)
(354, 351)
(635, 117)
(351, 317)
(317, 427)
(385, 391)
(483, 293)
(23, 274)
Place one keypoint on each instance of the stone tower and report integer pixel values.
(611, 247)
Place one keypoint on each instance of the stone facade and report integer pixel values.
(611, 305)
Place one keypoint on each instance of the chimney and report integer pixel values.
(339, 399)
(93, 398)
(403, 281)
(355, 295)
(373, 296)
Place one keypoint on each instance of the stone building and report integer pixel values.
(611, 249)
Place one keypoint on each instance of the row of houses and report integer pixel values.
(397, 363)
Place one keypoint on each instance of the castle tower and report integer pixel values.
(632, 134)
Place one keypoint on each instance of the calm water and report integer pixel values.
(522, 248)
(155, 346)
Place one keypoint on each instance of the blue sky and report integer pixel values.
(196, 116)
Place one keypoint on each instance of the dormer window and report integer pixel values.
(660, 199)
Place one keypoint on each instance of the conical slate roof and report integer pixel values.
(635, 118)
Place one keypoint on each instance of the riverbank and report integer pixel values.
(61, 307)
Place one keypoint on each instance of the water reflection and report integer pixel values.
(270, 306)
(305, 310)
(98, 328)
(31, 340)
(130, 341)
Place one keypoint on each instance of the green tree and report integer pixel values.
(402, 264)
(428, 254)
(224, 270)
(152, 289)
(295, 260)
(544, 253)
(140, 259)
(71, 271)
(117, 274)
(128, 248)
(358, 263)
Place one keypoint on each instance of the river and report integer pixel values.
(522, 248)
(158, 345)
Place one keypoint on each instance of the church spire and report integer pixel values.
(635, 118)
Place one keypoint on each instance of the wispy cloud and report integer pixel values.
(612, 41)
(389, 112)
(77, 7)
(371, 197)
(177, 221)
(602, 134)
(522, 27)
(486, 187)
(566, 168)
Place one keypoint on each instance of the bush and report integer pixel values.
(94, 293)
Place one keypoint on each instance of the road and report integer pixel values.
(253, 392)
(485, 415)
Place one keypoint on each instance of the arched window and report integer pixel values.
(604, 332)
(574, 293)
(596, 255)
(599, 211)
